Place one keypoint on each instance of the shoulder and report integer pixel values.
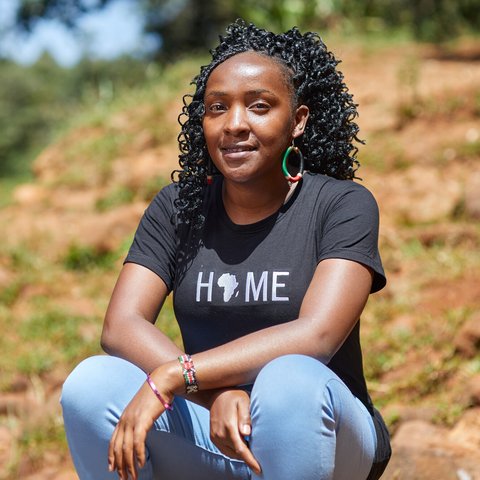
(331, 191)
(168, 192)
(165, 198)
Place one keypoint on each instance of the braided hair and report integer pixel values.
(328, 140)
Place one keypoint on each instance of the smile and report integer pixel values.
(237, 149)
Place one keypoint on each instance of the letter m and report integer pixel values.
(255, 289)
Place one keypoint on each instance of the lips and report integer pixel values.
(237, 148)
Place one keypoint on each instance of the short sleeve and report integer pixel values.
(154, 244)
(349, 230)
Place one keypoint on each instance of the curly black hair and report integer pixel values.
(330, 134)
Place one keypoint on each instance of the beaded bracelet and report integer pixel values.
(167, 405)
(188, 371)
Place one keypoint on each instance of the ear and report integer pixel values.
(300, 120)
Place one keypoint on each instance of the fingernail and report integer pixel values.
(246, 429)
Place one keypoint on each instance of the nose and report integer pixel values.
(236, 120)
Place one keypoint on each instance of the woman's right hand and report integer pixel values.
(230, 423)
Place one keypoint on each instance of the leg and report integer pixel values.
(307, 425)
(178, 446)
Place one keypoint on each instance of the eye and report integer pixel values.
(217, 107)
(260, 105)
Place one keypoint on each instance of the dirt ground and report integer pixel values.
(420, 116)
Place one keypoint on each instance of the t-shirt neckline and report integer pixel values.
(256, 226)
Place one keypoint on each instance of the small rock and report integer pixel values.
(6, 277)
(463, 475)
(406, 413)
(29, 194)
(7, 450)
(467, 431)
(20, 383)
(467, 340)
(423, 451)
(473, 389)
(403, 324)
(13, 403)
(472, 197)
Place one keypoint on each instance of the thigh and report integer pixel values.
(178, 445)
(180, 448)
(306, 424)
(355, 435)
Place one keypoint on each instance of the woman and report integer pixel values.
(270, 268)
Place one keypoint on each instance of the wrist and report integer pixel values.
(189, 374)
(169, 375)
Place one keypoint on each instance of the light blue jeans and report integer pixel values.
(306, 425)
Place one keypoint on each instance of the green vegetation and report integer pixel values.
(85, 258)
(195, 25)
(42, 97)
(54, 290)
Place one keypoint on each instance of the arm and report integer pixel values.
(129, 333)
(331, 307)
(129, 330)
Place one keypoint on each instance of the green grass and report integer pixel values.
(83, 258)
(54, 337)
(118, 196)
(42, 332)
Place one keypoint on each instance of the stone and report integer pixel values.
(423, 451)
(472, 196)
(467, 430)
(473, 390)
(7, 450)
(30, 195)
(467, 340)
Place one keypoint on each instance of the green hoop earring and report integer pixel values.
(299, 175)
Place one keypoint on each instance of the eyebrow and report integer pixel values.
(257, 91)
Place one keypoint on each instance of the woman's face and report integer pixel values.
(249, 119)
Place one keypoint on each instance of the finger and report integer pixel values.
(250, 460)
(118, 450)
(244, 420)
(111, 454)
(127, 454)
(240, 448)
(139, 436)
(240, 451)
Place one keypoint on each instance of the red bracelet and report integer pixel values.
(188, 372)
(167, 405)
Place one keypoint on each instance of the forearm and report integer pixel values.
(238, 362)
(326, 318)
(140, 342)
(144, 345)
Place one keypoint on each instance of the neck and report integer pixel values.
(246, 203)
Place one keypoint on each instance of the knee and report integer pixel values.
(77, 385)
(86, 383)
(291, 381)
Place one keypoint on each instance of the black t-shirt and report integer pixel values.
(230, 280)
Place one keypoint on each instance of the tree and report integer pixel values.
(180, 25)
(40, 97)
(189, 25)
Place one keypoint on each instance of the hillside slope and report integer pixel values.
(67, 232)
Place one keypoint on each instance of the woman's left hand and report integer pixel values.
(230, 423)
(127, 445)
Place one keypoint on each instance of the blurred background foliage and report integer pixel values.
(35, 100)
(102, 139)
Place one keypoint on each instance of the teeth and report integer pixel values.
(238, 149)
